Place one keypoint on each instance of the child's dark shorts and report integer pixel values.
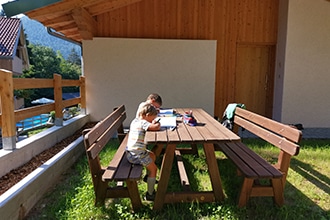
(142, 158)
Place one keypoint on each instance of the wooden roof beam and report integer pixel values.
(86, 24)
(61, 20)
(71, 33)
(75, 37)
(103, 7)
(68, 27)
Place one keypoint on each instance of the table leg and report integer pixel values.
(213, 171)
(157, 149)
(194, 149)
(165, 172)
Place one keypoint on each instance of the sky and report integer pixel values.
(3, 2)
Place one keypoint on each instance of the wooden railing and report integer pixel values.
(9, 116)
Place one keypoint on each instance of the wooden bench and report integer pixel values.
(120, 171)
(252, 166)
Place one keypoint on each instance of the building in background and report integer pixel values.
(13, 50)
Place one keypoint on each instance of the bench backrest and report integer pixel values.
(96, 138)
(280, 135)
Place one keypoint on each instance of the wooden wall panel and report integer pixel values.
(225, 77)
(257, 21)
(230, 22)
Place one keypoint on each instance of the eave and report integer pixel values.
(75, 19)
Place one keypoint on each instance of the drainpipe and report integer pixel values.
(56, 34)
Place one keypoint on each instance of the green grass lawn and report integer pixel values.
(306, 193)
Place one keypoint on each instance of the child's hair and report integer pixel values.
(156, 98)
(148, 109)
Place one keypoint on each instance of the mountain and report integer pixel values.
(36, 33)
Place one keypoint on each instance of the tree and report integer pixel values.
(70, 70)
(45, 62)
(74, 57)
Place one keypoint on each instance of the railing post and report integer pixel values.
(7, 110)
(82, 95)
(58, 100)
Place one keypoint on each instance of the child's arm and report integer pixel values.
(155, 125)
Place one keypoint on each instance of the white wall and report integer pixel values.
(306, 79)
(125, 71)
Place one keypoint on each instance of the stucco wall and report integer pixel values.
(306, 89)
(124, 71)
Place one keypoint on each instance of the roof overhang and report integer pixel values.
(74, 19)
(22, 6)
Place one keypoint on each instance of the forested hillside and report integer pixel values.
(37, 34)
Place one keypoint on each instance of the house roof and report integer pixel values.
(9, 36)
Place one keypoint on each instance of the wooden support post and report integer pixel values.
(214, 172)
(283, 165)
(164, 176)
(245, 192)
(8, 125)
(82, 95)
(58, 100)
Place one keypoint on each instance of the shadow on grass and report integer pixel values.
(195, 166)
(313, 176)
(297, 204)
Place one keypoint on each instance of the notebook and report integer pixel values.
(167, 122)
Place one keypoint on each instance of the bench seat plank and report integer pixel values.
(136, 172)
(114, 163)
(261, 166)
(242, 166)
(123, 170)
(249, 163)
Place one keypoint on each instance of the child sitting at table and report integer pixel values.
(153, 99)
(137, 152)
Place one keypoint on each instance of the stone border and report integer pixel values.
(28, 148)
(16, 202)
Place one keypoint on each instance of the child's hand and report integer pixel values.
(155, 121)
(155, 125)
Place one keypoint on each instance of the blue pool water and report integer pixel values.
(33, 122)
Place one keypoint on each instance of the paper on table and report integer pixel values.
(167, 122)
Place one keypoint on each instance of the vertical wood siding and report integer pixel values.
(230, 22)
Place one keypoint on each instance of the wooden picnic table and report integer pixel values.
(207, 132)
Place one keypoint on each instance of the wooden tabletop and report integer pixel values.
(207, 130)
